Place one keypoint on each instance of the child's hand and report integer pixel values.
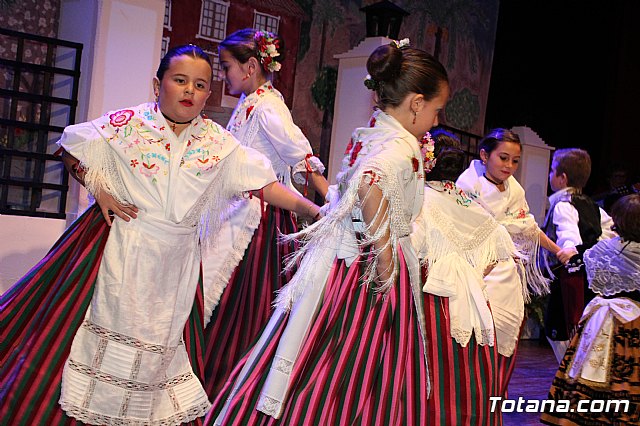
(565, 254)
(109, 204)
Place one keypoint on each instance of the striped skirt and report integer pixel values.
(362, 362)
(40, 315)
(462, 379)
(42, 312)
(246, 304)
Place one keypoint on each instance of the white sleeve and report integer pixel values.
(565, 218)
(286, 138)
(251, 170)
(78, 139)
(606, 223)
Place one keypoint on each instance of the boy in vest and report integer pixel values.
(573, 220)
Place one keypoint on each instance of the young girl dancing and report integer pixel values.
(243, 271)
(598, 381)
(490, 182)
(128, 363)
(346, 342)
(458, 242)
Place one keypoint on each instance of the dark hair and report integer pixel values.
(575, 163)
(449, 156)
(242, 46)
(396, 72)
(494, 137)
(626, 217)
(187, 50)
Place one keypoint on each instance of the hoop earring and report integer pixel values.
(415, 116)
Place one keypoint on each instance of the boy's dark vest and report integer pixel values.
(589, 221)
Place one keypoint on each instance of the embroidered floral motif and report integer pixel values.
(245, 108)
(120, 118)
(372, 122)
(349, 146)
(415, 163)
(354, 153)
(149, 169)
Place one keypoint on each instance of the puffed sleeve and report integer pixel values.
(251, 170)
(289, 142)
(77, 140)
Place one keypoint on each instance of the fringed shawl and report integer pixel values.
(384, 155)
(457, 240)
(511, 210)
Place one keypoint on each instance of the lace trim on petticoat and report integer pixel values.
(268, 405)
(124, 339)
(88, 417)
(213, 293)
(320, 237)
(486, 336)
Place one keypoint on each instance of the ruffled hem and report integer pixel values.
(90, 417)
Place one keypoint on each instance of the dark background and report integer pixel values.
(570, 70)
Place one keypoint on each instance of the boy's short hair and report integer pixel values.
(575, 163)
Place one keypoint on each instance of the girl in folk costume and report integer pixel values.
(128, 363)
(490, 182)
(458, 242)
(601, 362)
(244, 269)
(346, 344)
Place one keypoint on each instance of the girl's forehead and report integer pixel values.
(185, 64)
(512, 148)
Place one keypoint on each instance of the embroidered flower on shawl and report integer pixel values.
(206, 164)
(167, 147)
(149, 169)
(349, 146)
(134, 163)
(354, 153)
(267, 50)
(415, 163)
(248, 111)
(372, 122)
(120, 118)
(521, 214)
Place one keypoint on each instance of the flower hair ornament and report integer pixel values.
(370, 83)
(427, 147)
(400, 43)
(267, 46)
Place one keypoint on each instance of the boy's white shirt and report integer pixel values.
(565, 219)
